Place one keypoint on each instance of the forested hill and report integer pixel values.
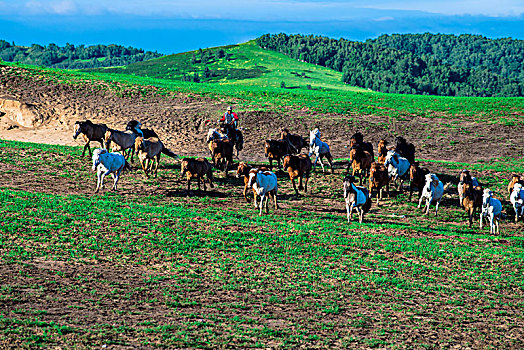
(502, 56)
(74, 57)
(415, 64)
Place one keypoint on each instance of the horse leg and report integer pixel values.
(188, 185)
(306, 181)
(330, 161)
(98, 177)
(157, 162)
(144, 167)
(294, 186)
(275, 199)
(420, 202)
(115, 178)
(300, 186)
(436, 207)
(320, 161)
(262, 197)
(86, 146)
(199, 190)
(267, 202)
(360, 214)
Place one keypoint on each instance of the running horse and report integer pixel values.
(90, 132)
(320, 149)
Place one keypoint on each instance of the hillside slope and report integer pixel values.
(441, 128)
(244, 64)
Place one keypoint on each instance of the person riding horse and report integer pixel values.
(229, 122)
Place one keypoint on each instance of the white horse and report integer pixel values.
(517, 200)
(398, 166)
(320, 149)
(432, 192)
(264, 183)
(356, 197)
(492, 209)
(106, 163)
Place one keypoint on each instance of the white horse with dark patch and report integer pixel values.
(432, 192)
(106, 163)
(517, 200)
(264, 183)
(356, 197)
(398, 166)
(491, 209)
(320, 149)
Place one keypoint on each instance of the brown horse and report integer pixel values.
(298, 166)
(296, 142)
(90, 132)
(222, 152)
(198, 168)
(360, 161)
(123, 140)
(149, 151)
(382, 151)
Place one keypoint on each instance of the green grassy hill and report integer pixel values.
(244, 64)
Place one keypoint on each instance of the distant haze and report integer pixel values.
(179, 26)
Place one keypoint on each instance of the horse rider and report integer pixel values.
(229, 120)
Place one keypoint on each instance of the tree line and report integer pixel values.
(414, 64)
(74, 57)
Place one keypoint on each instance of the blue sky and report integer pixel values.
(175, 26)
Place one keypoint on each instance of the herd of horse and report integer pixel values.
(393, 165)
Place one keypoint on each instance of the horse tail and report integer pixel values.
(169, 153)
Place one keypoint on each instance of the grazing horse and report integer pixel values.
(382, 151)
(136, 127)
(492, 209)
(356, 197)
(123, 139)
(320, 149)
(358, 139)
(405, 149)
(149, 151)
(264, 183)
(296, 142)
(90, 132)
(397, 166)
(198, 168)
(222, 153)
(432, 193)
(360, 161)
(298, 166)
(106, 163)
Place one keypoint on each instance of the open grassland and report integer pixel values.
(149, 267)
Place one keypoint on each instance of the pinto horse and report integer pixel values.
(356, 197)
(320, 149)
(398, 167)
(106, 163)
(90, 132)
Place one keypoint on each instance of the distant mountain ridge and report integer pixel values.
(432, 64)
(74, 57)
